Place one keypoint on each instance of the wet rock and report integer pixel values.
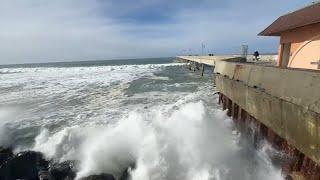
(126, 173)
(99, 177)
(44, 175)
(62, 171)
(5, 155)
(25, 165)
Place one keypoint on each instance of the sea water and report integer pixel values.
(108, 115)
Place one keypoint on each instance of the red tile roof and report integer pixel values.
(302, 17)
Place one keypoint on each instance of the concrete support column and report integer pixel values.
(235, 111)
(229, 107)
(189, 65)
(202, 69)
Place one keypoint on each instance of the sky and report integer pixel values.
(35, 31)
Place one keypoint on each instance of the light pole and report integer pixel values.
(202, 48)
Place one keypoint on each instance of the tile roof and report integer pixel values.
(302, 17)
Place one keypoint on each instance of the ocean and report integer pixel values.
(107, 115)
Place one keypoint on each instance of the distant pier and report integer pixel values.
(207, 60)
(199, 62)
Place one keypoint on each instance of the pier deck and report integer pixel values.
(212, 60)
(207, 60)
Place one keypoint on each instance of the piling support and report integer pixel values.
(189, 65)
(202, 69)
(197, 66)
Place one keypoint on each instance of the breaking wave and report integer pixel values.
(5, 130)
(184, 144)
(156, 119)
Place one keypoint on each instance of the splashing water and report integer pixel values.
(161, 120)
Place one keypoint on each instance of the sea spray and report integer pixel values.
(6, 132)
(160, 121)
(185, 144)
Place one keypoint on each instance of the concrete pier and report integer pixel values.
(294, 164)
(282, 104)
(286, 101)
(207, 60)
(212, 60)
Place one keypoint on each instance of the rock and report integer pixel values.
(5, 154)
(44, 175)
(99, 177)
(62, 170)
(126, 173)
(124, 176)
(25, 165)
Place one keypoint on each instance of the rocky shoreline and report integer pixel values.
(31, 165)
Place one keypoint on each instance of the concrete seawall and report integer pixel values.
(287, 101)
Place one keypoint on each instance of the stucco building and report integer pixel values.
(299, 33)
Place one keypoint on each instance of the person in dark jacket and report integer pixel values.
(256, 55)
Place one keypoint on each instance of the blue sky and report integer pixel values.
(69, 30)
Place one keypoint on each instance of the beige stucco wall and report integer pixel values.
(300, 38)
(306, 53)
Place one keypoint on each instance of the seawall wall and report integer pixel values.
(285, 101)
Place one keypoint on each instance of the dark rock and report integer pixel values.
(62, 171)
(44, 175)
(126, 173)
(99, 177)
(25, 165)
(5, 155)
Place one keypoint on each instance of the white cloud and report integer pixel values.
(65, 30)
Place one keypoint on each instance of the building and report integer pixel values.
(299, 33)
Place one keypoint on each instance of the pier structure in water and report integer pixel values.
(277, 98)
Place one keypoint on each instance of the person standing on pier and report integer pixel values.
(256, 55)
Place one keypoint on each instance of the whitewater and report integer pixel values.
(156, 117)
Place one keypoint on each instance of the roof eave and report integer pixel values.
(279, 32)
(279, 26)
(269, 34)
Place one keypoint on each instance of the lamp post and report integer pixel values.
(202, 48)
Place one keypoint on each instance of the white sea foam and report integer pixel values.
(87, 117)
(184, 144)
(53, 80)
(5, 130)
(41, 87)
